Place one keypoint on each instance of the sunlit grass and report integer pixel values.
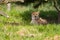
(41, 31)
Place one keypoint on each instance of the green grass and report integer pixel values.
(8, 32)
(22, 15)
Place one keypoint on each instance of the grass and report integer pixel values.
(22, 15)
(8, 32)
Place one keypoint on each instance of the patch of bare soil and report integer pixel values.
(26, 33)
(55, 37)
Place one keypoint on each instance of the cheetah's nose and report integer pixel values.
(35, 16)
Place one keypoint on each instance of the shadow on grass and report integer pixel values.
(51, 16)
(26, 16)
